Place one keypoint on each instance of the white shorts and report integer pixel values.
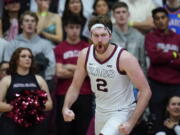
(108, 123)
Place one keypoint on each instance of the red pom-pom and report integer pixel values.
(28, 107)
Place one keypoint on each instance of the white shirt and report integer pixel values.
(113, 90)
(139, 9)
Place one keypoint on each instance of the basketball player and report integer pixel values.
(112, 71)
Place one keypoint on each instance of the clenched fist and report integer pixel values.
(68, 115)
(125, 128)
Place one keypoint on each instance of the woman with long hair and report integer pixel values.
(171, 123)
(10, 19)
(22, 79)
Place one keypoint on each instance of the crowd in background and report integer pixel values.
(57, 30)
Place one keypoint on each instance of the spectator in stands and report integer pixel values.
(87, 7)
(126, 36)
(171, 123)
(140, 11)
(173, 8)
(74, 7)
(30, 39)
(53, 7)
(66, 57)
(100, 7)
(3, 44)
(58, 6)
(163, 48)
(49, 25)
(10, 19)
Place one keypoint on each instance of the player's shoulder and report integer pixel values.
(126, 56)
(85, 50)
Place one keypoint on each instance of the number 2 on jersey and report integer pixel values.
(101, 85)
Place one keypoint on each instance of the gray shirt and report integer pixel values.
(3, 44)
(132, 41)
(37, 45)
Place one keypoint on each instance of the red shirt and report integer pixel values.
(163, 67)
(66, 53)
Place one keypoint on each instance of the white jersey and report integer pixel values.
(113, 89)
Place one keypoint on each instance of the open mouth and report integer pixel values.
(99, 46)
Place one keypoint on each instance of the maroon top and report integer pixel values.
(163, 67)
(66, 53)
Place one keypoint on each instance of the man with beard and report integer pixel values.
(111, 70)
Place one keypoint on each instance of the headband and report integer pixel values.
(100, 25)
